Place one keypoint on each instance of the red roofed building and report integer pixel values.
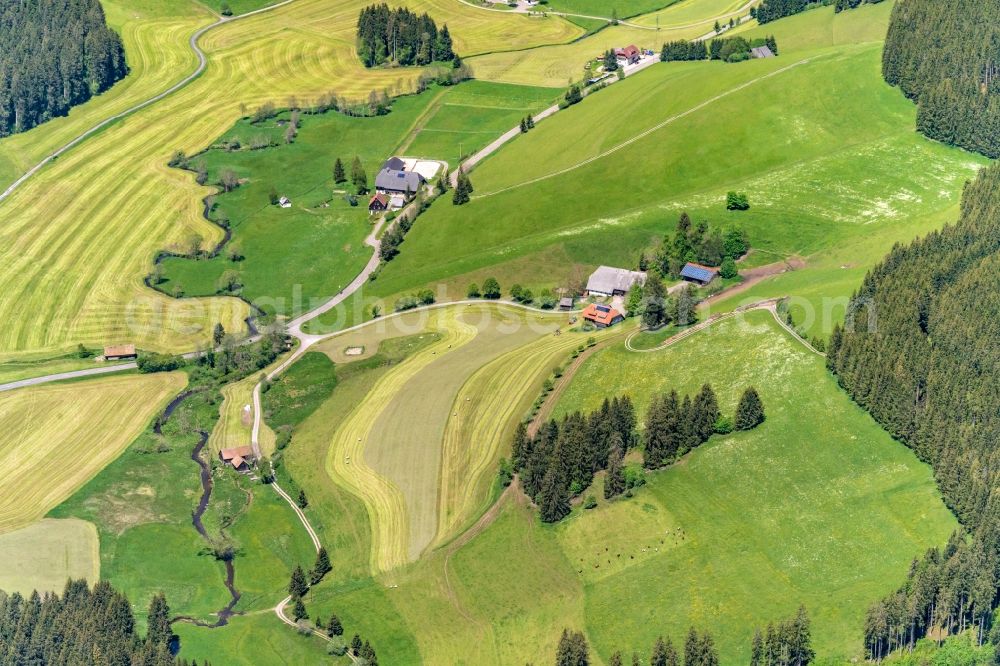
(240, 457)
(629, 54)
(378, 203)
(602, 316)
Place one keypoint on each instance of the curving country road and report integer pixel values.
(202, 63)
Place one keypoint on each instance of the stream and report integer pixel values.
(205, 473)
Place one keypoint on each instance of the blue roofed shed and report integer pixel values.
(698, 273)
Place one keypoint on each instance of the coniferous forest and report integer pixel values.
(772, 10)
(946, 57)
(920, 350)
(401, 37)
(83, 626)
(54, 54)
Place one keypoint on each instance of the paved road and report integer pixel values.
(202, 63)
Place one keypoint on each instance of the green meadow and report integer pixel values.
(824, 148)
(817, 506)
(294, 258)
(622, 8)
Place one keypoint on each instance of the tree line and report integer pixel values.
(920, 350)
(559, 462)
(54, 54)
(789, 643)
(697, 243)
(728, 49)
(772, 10)
(945, 56)
(83, 626)
(401, 37)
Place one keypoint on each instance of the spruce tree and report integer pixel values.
(800, 652)
(553, 495)
(339, 176)
(572, 649)
(750, 411)
(334, 627)
(322, 566)
(158, 622)
(706, 413)
(463, 189)
(655, 312)
(521, 447)
(614, 482)
(692, 649)
(358, 176)
(685, 307)
(659, 655)
(757, 650)
(298, 585)
(356, 645)
(301, 500)
(616, 659)
(299, 610)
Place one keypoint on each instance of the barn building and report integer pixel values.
(699, 274)
(240, 457)
(119, 352)
(610, 281)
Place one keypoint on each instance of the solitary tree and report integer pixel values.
(339, 176)
(301, 500)
(473, 290)
(218, 333)
(334, 627)
(229, 180)
(750, 411)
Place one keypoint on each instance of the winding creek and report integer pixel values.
(205, 475)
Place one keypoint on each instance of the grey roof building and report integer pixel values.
(609, 281)
(394, 164)
(395, 181)
(761, 52)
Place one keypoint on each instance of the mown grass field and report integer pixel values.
(817, 506)
(422, 479)
(45, 554)
(623, 8)
(155, 34)
(112, 203)
(57, 437)
(827, 154)
(294, 259)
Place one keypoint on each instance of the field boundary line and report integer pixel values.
(647, 132)
(202, 64)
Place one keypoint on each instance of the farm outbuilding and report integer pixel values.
(602, 316)
(761, 52)
(240, 457)
(566, 303)
(394, 164)
(699, 274)
(378, 203)
(119, 352)
(610, 281)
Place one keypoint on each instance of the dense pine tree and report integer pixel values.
(298, 586)
(54, 54)
(572, 649)
(322, 566)
(946, 57)
(920, 350)
(401, 37)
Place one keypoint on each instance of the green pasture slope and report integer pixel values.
(824, 148)
(817, 506)
(623, 8)
(297, 257)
